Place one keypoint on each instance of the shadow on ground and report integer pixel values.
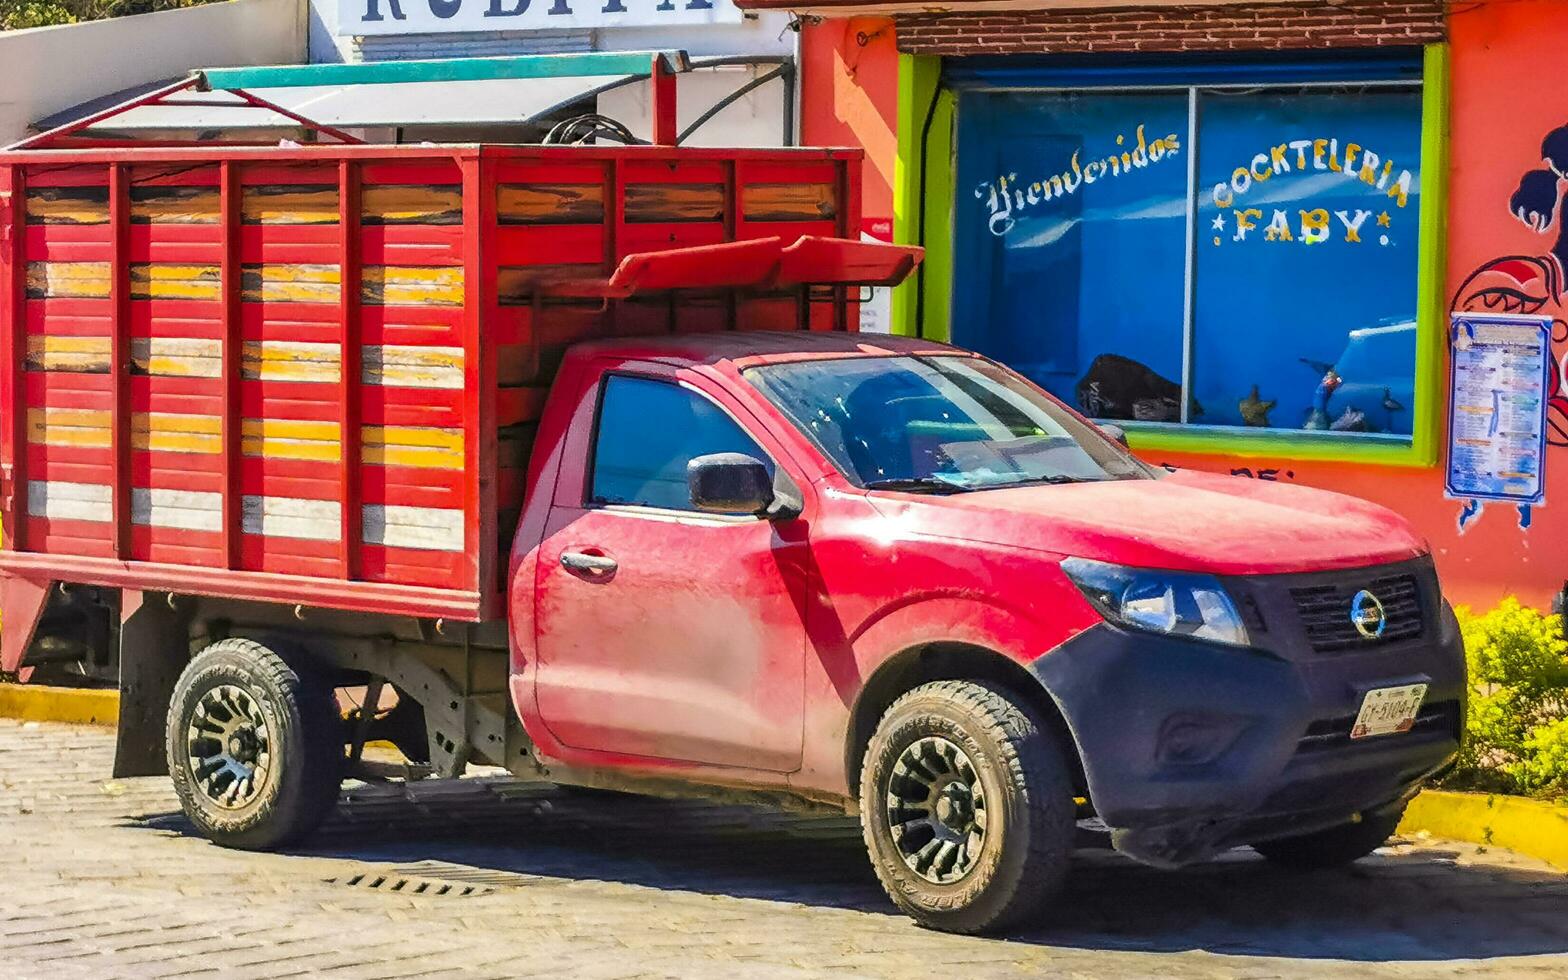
(1411, 904)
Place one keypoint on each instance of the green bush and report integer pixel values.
(1517, 725)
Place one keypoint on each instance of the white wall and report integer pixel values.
(49, 69)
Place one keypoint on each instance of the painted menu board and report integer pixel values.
(1497, 407)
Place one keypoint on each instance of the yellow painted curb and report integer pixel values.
(1530, 827)
(76, 706)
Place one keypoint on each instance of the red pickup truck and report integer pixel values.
(273, 418)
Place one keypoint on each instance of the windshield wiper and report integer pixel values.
(918, 484)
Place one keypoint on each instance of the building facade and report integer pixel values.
(1241, 230)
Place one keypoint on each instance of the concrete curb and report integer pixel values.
(76, 706)
(1529, 827)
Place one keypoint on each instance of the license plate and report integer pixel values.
(1388, 710)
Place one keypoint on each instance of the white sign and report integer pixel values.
(367, 17)
(1497, 409)
(876, 312)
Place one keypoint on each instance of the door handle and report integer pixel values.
(577, 561)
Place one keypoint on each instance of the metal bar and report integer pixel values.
(230, 275)
(734, 219)
(13, 359)
(45, 138)
(665, 125)
(848, 227)
(350, 388)
(1190, 259)
(120, 357)
(730, 100)
(305, 121)
(574, 65)
(791, 100)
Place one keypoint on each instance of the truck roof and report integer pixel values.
(749, 349)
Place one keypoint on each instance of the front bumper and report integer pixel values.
(1189, 748)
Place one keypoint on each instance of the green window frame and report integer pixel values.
(924, 203)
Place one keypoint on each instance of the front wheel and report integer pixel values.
(967, 807)
(1334, 847)
(255, 746)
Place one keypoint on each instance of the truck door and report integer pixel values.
(664, 632)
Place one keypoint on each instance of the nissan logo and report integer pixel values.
(1367, 616)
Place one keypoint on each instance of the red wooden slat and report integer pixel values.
(120, 355)
(233, 327)
(349, 387)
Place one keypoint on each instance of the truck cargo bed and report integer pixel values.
(310, 374)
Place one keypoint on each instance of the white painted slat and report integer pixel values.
(291, 517)
(187, 510)
(424, 528)
(60, 500)
(407, 366)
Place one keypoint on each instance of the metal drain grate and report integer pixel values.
(406, 884)
(436, 879)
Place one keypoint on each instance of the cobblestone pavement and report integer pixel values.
(103, 877)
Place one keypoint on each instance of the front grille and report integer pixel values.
(1334, 733)
(1325, 612)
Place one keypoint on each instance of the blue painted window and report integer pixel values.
(1141, 268)
(648, 431)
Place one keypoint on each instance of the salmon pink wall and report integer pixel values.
(1506, 103)
(849, 97)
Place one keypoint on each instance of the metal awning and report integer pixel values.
(329, 98)
(353, 106)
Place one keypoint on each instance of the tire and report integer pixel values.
(293, 749)
(1334, 847)
(1019, 779)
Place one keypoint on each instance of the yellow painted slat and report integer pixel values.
(390, 285)
(174, 205)
(68, 427)
(172, 432)
(50, 280)
(275, 360)
(86, 355)
(396, 445)
(288, 283)
(290, 439)
(68, 205)
(302, 204)
(411, 204)
(174, 280)
(557, 204)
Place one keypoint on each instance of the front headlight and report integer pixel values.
(1177, 603)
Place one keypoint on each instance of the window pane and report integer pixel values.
(1306, 259)
(648, 432)
(1071, 230)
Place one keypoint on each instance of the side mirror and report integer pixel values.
(1115, 433)
(729, 483)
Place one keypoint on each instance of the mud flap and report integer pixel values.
(154, 648)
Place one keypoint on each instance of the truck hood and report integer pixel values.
(1188, 521)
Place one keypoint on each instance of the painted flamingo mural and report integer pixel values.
(1535, 284)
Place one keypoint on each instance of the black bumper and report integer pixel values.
(1189, 747)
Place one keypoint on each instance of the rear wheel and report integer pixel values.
(967, 807)
(255, 745)
(1333, 847)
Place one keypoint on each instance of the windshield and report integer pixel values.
(938, 424)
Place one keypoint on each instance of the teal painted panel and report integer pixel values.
(444, 70)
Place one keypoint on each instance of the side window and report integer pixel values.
(647, 432)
